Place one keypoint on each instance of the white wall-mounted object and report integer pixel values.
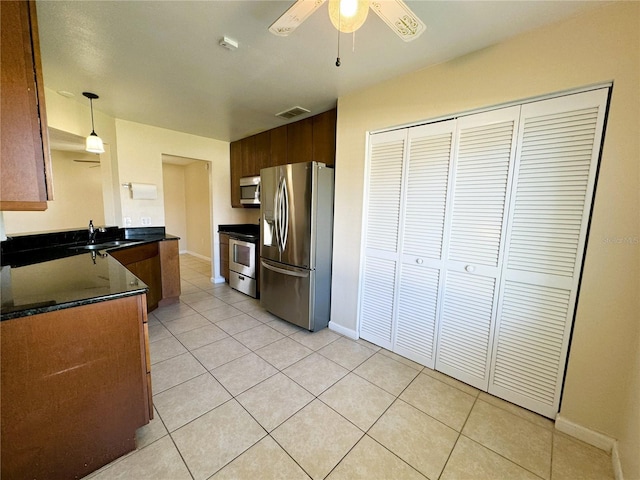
(142, 191)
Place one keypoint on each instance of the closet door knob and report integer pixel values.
(419, 261)
(470, 268)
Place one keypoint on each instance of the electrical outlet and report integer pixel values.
(127, 221)
(145, 220)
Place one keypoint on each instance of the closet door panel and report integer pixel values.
(465, 327)
(479, 192)
(484, 154)
(559, 145)
(416, 319)
(377, 303)
(422, 235)
(381, 240)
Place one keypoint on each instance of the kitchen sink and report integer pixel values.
(105, 245)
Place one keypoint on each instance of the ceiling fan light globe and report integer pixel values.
(348, 15)
(94, 144)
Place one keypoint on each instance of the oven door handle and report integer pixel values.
(292, 273)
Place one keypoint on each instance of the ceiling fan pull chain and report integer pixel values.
(353, 45)
(338, 57)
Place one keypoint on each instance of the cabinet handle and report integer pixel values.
(470, 268)
(419, 261)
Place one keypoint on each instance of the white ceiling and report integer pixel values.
(159, 62)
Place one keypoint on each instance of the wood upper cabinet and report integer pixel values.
(278, 146)
(324, 137)
(263, 151)
(300, 141)
(249, 162)
(313, 138)
(25, 163)
(235, 152)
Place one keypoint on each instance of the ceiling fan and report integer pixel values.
(349, 15)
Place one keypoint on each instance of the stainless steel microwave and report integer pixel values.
(250, 190)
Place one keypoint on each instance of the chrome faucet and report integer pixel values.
(93, 231)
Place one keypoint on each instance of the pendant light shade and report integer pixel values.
(94, 142)
(348, 15)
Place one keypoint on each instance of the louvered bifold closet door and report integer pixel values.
(558, 150)
(481, 178)
(421, 239)
(381, 236)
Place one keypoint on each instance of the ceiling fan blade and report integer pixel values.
(292, 18)
(399, 17)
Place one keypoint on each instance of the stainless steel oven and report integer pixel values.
(242, 266)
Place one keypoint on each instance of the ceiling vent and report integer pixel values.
(292, 112)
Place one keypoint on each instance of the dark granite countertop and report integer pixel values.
(51, 271)
(248, 232)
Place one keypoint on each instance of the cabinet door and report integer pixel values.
(149, 272)
(249, 166)
(324, 137)
(558, 149)
(235, 154)
(478, 196)
(278, 146)
(300, 141)
(224, 256)
(381, 249)
(25, 183)
(428, 163)
(263, 151)
(170, 267)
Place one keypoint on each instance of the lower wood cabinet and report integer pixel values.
(75, 388)
(224, 256)
(156, 264)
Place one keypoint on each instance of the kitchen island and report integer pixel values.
(75, 366)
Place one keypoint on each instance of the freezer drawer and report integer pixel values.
(288, 292)
(242, 283)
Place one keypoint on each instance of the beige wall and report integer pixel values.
(601, 389)
(175, 203)
(198, 209)
(78, 198)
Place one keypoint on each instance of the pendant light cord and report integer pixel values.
(93, 129)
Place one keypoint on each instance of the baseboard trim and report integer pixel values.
(197, 255)
(597, 439)
(217, 280)
(347, 332)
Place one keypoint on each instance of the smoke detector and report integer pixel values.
(292, 112)
(228, 43)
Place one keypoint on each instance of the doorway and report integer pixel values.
(187, 203)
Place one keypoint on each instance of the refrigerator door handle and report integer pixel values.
(284, 271)
(278, 216)
(285, 210)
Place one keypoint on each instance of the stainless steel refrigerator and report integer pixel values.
(296, 216)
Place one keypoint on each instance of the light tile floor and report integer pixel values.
(241, 394)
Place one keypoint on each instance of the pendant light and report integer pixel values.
(94, 142)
